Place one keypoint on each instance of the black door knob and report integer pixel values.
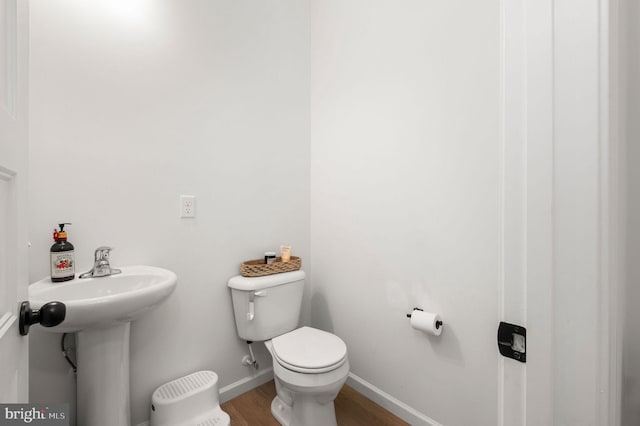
(49, 315)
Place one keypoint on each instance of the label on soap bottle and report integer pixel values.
(62, 264)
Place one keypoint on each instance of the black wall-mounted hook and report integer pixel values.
(49, 315)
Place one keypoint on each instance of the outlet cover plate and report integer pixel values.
(187, 206)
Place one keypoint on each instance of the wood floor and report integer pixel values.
(352, 409)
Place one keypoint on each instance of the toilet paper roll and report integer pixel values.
(427, 322)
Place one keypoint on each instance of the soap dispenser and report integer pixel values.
(63, 265)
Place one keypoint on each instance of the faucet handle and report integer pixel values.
(102, 252)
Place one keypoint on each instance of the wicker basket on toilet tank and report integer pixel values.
(257, 268)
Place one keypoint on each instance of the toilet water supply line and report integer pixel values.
(250, 359)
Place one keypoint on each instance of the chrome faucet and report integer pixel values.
(101, 267)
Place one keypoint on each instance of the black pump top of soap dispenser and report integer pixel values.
(62, 234)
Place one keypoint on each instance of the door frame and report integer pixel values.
(545, 256)
(614, 113)
(526, 46)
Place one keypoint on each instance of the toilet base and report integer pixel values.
(307, 412)
(281, 411)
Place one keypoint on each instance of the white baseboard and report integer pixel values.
(245, 385)
(386, 401)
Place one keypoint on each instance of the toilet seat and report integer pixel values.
(309, 350)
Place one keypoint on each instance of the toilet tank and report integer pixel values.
(268, 306)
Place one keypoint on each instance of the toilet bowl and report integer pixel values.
(310, 366)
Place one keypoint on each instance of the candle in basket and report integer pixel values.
(285, 253)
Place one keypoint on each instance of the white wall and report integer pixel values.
(137, 102)
(406, 196)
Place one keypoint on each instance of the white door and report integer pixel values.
(13, 167)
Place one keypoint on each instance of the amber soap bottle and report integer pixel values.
(63, 264)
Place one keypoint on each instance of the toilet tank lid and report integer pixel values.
(257, 283)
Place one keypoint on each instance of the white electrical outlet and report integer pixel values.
(187, 206)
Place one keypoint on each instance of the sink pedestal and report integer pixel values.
(103, 376)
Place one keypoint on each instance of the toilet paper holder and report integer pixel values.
(438, 323)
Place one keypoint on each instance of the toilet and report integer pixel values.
(310, 366)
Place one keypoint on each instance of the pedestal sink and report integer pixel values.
(100, 311)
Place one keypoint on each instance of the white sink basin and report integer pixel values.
(100, 310)
(105, 301)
